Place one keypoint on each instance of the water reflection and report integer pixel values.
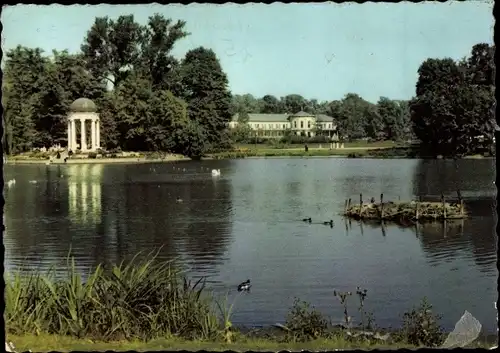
(84, 193)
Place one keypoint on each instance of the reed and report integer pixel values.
(138, 300)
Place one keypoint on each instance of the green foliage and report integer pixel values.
(143, 300)
(421, 326)
(304, 322)
(453, 111)
(241, 133)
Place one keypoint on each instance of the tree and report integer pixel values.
(112, 48)
(167, 114)
(293, 103)
(207, 96)
(356, 118)
(270, 105)
(395, 118)
(453, 109)
(157, 42)
(23, 77)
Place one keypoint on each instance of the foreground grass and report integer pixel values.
(45, 343)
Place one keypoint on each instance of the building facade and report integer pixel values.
(300, 124)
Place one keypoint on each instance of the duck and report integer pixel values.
(11, 182)
(215, 172)
(329, 223)
(307, 220)
(244, 286)
(178, 199)
(372, 200)
(33, 181)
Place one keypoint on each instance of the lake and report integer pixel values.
(247, 224)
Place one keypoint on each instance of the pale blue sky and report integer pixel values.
(320, 51)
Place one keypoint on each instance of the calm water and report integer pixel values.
(246, 224)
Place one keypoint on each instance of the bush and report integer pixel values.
(92, 155)
(421, 326)
(305, 323)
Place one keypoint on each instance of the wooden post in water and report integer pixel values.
(416, 210)
(349, 204)
(382, 206)
(444, 206)
(345, 207)
(360, 203)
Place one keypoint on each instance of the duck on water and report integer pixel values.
(307, 220)
(329, 223)
(244, 286)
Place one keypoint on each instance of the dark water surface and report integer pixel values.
(246, 224)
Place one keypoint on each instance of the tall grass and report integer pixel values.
(141, 299)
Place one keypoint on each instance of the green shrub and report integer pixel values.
(421, 326)
(305, 323)
(92, 155)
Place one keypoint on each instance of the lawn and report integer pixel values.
(46, 343)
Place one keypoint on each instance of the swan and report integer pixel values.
(215, 172)
(11, 182)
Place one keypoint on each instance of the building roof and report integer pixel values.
(265, 117)
(83, 105)
(324, 118)
(301, 114)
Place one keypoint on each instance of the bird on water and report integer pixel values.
(244, 286)
(307, 220)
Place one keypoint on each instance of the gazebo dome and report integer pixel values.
(83, 105)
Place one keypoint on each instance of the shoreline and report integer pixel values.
(351, 153)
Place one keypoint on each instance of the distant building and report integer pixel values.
(300, 124)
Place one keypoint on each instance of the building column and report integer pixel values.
(83, 137)
(92, 135)
(73, 135)
(69, 135)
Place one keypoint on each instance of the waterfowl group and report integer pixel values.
(307, 220)
(215, 172)
(244, 286)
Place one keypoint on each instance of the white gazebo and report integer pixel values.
(82, 110)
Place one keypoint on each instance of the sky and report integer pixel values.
(317, 50)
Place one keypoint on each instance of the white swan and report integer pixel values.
(11, 183)
(215, 172)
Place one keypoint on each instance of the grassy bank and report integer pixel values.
(149, 305)
(47, 343)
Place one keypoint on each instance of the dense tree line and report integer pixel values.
(149, 100)
(155, 102)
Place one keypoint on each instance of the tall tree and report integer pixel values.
(207, 95)
(112, 48)
(157, 63)
(454, 104)
(24, 74)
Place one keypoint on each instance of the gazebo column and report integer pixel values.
(93, 142)
(98, 134)
(69, 135)
(83, 143)
(73, 135)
